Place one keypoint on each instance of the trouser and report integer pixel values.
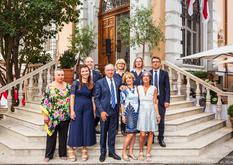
(97, 119)
(108, 128)
(62, 130)
(162, 112)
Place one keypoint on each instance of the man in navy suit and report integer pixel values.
(95, 75)
(106, 95)
(160, 80)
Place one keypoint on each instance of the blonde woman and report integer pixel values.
(129, 109)
(120, 68)
(138, 70)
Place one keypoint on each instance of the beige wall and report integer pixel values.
(159, 13)
(229, 22)
(63, 38)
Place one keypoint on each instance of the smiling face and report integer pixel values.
(84, 72)
(129, 80)
(146, 78)
(59, 76)
(89, 62)
(109, 70)
(121, 66)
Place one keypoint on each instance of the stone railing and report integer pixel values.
(179, 75)
(30, 85)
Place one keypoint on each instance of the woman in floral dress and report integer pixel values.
(129, 109)
(55, 110)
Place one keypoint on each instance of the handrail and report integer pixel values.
(33, 73)
(202, 82)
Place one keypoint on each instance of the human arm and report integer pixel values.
(167, 91)
(158, 118)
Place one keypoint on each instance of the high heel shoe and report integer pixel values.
(72, 155)
(84, 155)
(148, 157)
(132, 156)
(141, 157)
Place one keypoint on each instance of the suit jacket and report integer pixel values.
(102, 96)
(96, 75)
(164, 86)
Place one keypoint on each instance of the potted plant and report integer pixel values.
(67, 61)
(230, 113)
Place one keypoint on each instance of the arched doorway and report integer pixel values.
(110, 45)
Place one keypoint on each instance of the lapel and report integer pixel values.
(160, 77)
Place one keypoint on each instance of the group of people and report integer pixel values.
(138, 98)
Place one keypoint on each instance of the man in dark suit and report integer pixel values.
(160, 80)
(106, 93)
(95, 75)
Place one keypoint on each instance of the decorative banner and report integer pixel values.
(190, 7)
(204, 6)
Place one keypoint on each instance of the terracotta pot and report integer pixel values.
(68, 75)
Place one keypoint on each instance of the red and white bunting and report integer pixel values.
(204, 6)
(190, 7)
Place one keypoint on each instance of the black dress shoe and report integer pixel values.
(102, 158)
(162, 143)
(114, 156)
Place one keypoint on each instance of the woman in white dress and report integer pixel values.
(148, 117)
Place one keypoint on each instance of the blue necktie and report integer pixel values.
(112, 95)
(155, 79)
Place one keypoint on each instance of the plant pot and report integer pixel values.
(68, 75)
(231, 119)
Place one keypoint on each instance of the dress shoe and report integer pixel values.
(102, 158)
(114, 156)
(162, 143)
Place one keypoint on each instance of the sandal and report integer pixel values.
(132, 156)
(72, 155)
(84, 155)
(148, 157)
(46, 160)
(63, 158)
(125, 157)
(141, 156)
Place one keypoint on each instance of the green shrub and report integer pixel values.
(230, 110)
(67, 60)
(200, 74)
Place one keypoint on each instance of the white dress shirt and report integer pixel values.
(109, 85)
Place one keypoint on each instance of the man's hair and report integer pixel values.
(155, 57)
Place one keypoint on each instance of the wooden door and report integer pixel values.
(107, 30)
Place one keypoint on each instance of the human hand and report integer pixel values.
(123, 119)
(72, 115)
(123, 87)
(158, 118)
(46, 119)
(166, 104)
(104, 116)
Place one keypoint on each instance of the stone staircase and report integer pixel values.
(190, 132)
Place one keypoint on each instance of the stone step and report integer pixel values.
(178, 98)
(193, 132)
(29, 109)
(180, 104)
(18, 147)
(28, 119)
(182, 112)
(22, 132)
(184, 122)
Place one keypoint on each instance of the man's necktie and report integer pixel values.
(155, 79)
(112, 95)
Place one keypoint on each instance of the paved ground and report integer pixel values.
(228, 159)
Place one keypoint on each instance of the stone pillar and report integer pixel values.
(83, 18)
(173, 33)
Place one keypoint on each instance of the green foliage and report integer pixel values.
(82, 41)
(141, 29)
(25, 25)
(199, 74)
(42, 58)
(67, 60)
(230, 110)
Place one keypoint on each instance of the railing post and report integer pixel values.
(198, 94)
(20, 93)
(179, 83)
(29, 90)
(40, 83)
(208, 97)
(49, 76)
(9, 99)
(170, 77)
(219, 108)
(230, 101)
(188, 89)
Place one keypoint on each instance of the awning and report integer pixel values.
(213, 53)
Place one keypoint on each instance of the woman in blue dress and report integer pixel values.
(138, 70)
(82, 129)
(129, 109)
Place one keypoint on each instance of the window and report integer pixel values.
(108, 5)
(191, 38)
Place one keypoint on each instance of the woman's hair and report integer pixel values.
(146, 73)
(90, 84)
(134, 62)
(126, 74)
(120, 60)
